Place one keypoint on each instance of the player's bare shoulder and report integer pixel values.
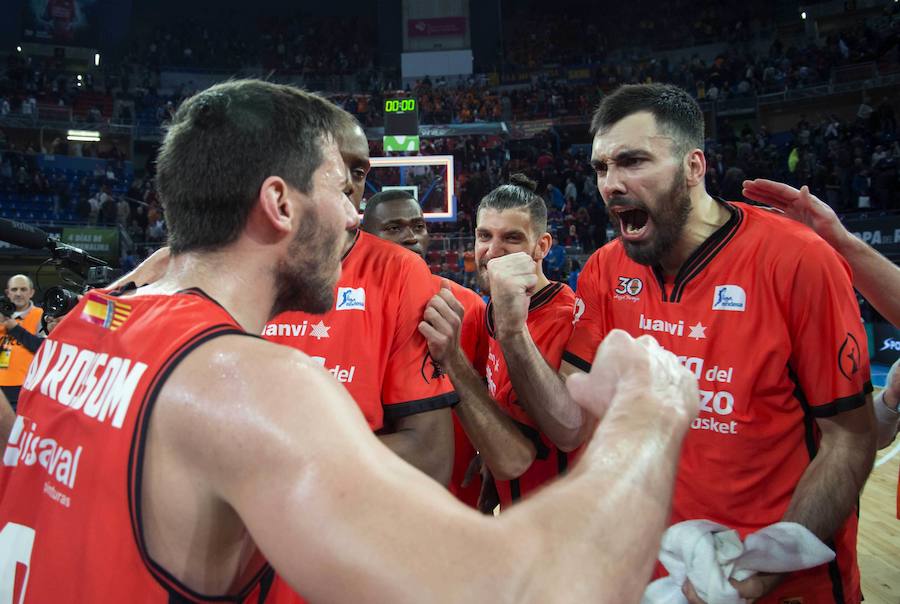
(233, 384)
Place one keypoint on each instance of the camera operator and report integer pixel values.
(18, 337)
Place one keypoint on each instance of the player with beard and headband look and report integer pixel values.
(181, 457)
(511, 229)
(369, 342)
(396, 216)
(758, 307)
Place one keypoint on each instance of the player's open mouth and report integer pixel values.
(634, 223)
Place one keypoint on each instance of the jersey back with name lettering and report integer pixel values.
(764, 314)
(70, 524)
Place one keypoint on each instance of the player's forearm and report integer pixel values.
(503, 447)
(887, 417)
(542, 393)
(876, 277)
(426, 445)
(830, 487)
(589, 551)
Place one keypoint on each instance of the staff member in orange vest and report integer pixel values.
(18, 338)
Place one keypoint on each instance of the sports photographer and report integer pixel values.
(21, 320)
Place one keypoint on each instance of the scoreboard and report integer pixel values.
(401, 124)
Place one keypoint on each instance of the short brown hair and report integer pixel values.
(224, 142)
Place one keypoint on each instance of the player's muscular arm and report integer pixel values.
(876, 277)
(503, 447)
(424, 440)
(831, 485)
(538, 387)
(324, 500)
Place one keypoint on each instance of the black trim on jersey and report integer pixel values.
(352, 245)
(515, 490)
(265, 584)
(539, 299)
(576, 361)
(812, 447)
(178, 592)
(840, 405)
(661, 280)
(834, 573)
(704, 254)
(126, 287)
(196, 291)
(562, 461)
(547, 293)
(541, 451)
(401, 410)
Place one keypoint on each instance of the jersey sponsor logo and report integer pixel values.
(698, 331)
(100, 386)
(297, 330)
(27, 447)
(716, 405)
(890, 344)
(675, 329)
(492, 367)
(629, 288)
(579, 310)
(341, 374)
(729, 297)
(350, 298)
(848, 357)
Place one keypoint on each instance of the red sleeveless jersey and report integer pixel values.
(763, 313)
(70, 523)
(474, 343)
(549, 322)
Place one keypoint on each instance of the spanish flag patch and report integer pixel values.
(108, 314)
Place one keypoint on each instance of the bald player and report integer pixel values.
(760, 308)
(182, 457)
(396, 216)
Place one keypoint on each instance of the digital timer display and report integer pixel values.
(399, 105)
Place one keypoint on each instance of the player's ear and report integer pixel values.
(695, 168)
(545, 242)
(275, 209)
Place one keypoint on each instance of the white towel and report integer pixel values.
(709, 554)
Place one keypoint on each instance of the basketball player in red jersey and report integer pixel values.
(759, 308)
(510, 219)
(876, 278)
(368, 339)
(396, 216)
(170, 448)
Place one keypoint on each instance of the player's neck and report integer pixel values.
(237, 281)
(706, 217)
(349, 238)
(542, 280)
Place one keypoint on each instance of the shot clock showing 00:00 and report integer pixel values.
(399, 105)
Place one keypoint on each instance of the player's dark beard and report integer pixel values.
(305, 280)
(672, 211)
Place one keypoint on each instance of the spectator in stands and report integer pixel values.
(469, 272)
(555, 261)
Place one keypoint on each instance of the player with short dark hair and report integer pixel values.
(379, 300)
(171, 461)
(511, 227)
(760, 308)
